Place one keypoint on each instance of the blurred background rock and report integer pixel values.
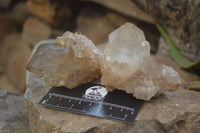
(181, 19)
(23, 23)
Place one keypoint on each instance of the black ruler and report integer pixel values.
(94, 100)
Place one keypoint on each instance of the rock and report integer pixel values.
(16, 54)
(73, 61)
(43, 9)
(96, 20)
(59, 14)
(6, 28)
(5, 83)
(93, 19)
(163, 49)
(14, 116)
(66, 15)
(180, 19)
(35, 31)
(127, 60)
(18, 14)
(5, 3)
(177, 111)
(127, 8)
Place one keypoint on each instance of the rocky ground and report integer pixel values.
(13, 114)
(23, 23)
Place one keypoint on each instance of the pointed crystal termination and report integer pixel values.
(69, 61)
(127, 65)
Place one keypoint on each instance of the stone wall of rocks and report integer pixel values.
(24, 23)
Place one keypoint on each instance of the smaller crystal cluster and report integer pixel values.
(126, 64)
(70, 61)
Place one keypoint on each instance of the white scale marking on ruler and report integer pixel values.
(90, 103)
(125, 117)
(123, 111)
(91, 112)
(50, 95)
(43, 101)
(99, 107)
(86, 100)
(71, 106)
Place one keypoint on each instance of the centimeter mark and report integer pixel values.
(90, 101)
(91, 113)
(125, 111)
(89, 107)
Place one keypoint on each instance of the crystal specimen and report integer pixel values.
(127, 65)
(69, 61)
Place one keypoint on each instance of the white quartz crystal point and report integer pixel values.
(127, 65)
(125, 50)
(70, 61)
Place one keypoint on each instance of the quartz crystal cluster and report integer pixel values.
(69, 61)
(127, 65)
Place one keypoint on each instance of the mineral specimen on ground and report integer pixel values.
(70, 61)
(127, 65)
(177, 112)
